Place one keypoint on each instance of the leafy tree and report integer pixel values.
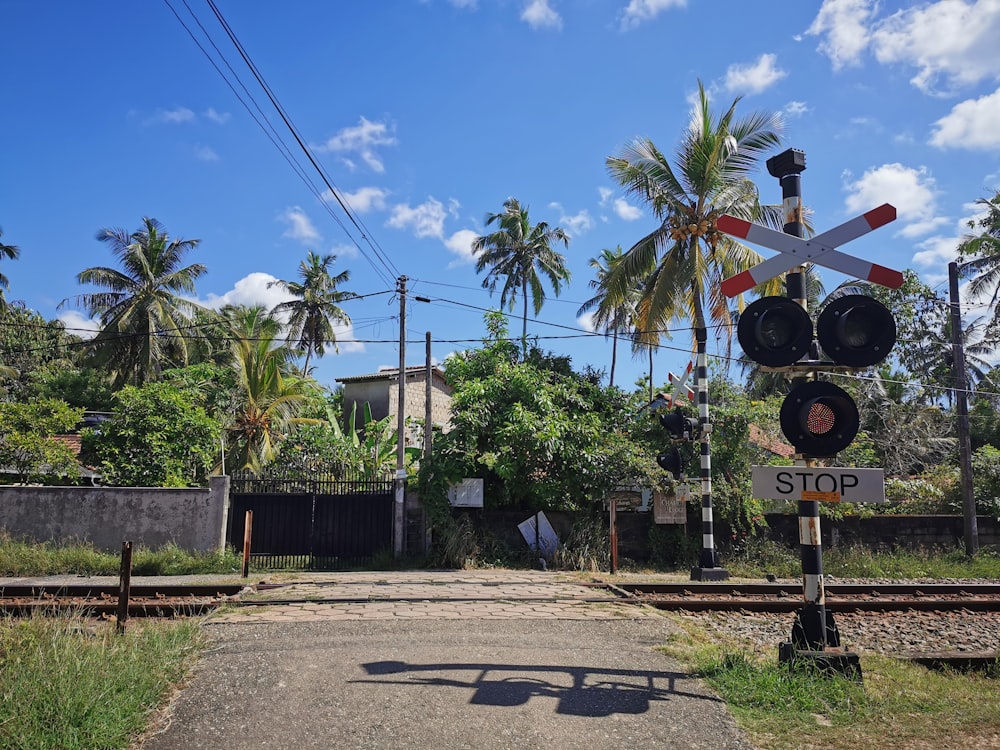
(157, 436)
(518, 251)
(28, 344)
(539, 439)
(11, 252)
(614, 314)
(268, 396)
(682, 263)
(318, 303)
(27, 447)
(143, 317)
(979, 255)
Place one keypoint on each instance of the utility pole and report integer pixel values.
(961, 390)
(399, 515)
(428, 393)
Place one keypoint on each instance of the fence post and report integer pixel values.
(247, 532)
(124, 584)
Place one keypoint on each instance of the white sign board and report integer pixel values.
(467, 494)
(827, 485)
(542, 535)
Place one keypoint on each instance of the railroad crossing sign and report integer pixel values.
(680, 387)
(830, 485)
(821, 249)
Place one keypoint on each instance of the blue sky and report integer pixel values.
(427, 114)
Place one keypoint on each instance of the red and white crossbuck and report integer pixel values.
(821, 249)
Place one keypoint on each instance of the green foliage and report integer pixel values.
(28, 344)
(540, 439)
(67, 683)
(26, 445)
(671, 547)
(986, 480)
(80, 387)
(158, 436)
(587, 548)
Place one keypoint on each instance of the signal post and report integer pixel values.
(817, 417)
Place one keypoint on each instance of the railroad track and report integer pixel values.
(176, 600)
(778, 597)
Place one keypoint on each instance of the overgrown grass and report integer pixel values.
(20, 557)
(70, 684)
(761, 556)
(898, 705)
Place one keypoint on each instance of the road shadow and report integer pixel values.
(594, 692)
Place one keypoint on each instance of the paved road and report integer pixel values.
(444, 660)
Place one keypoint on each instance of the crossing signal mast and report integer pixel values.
(818, 418)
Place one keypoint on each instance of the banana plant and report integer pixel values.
(372, 450)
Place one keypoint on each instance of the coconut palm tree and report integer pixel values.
(979, 256)
(681, 264)
(11, 252)
(317, 307)
(518, 251)
(268, 395)
(614, 315)
(142, 314)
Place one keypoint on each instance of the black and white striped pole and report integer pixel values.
(787, 167)
(707, 569)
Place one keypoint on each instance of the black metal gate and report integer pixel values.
(317, 523)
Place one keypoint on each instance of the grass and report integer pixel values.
(21, 557)
(761, 556)
(899, 705)
(70, 684)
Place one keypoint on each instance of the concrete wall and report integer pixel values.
(193, 519)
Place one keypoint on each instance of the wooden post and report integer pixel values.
(124, 584)
(613, 525)
(247, 533)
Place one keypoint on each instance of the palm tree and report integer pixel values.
(268, 395)
(517, 251)
(11, 252)
(681, 264)
(979, 256)
(614, 315)
(317, 304)
(142, 315)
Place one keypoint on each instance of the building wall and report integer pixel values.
(193, 519)
(383, 396)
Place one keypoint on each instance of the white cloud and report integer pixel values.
(578, 224)
(754, 77)
(538, 14)
(950, 40)
(363, 140)
(362, 200)
(345, 251)
(625, 211)
(796, 109)
(911, 191)
(205, 153)
(425, 220)
(171, 116)
(586, 322)
(842, 26)
(299, 226)
(79, 325)
(460, 243)
(252, 289)
(219, 118)
(605, 194)
(638, 12)
(970, 124)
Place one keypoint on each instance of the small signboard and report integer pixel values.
(669, 509)
(467, 494)
(539, 534)
(822, 484)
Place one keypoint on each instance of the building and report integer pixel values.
(381, 391)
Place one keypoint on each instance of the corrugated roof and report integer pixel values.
(389, 374)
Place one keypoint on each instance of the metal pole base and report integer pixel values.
(831, 661)
(709, 574)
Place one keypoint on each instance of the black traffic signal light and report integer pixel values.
(670, 460)
(818, 418)
(856, 331)
(775, 331)
(679, 426)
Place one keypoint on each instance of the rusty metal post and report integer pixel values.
(124, 584)
(247, 534)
